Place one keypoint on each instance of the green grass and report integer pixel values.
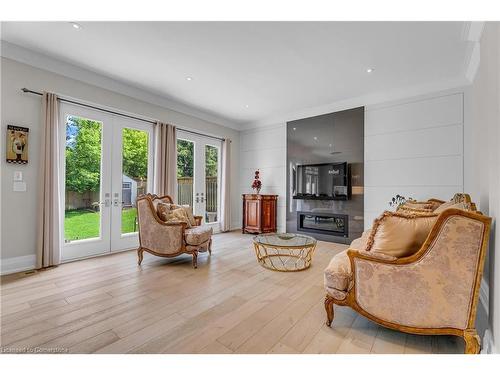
(83, 224)
(128, 219)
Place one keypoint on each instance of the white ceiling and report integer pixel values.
(274, 68)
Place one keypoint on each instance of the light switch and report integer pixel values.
(19, 186)
(18, 176)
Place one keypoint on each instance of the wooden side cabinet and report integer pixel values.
(259, 213)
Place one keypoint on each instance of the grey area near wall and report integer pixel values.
(483, 172)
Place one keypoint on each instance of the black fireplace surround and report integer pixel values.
(331, 208)
(323, 222)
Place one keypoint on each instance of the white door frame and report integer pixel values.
(93, 246)
(199, 180)
(111, 239)
(119, 241)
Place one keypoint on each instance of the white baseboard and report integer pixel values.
(17, 264)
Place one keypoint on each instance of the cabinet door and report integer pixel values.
(269, 216)
(252, 215)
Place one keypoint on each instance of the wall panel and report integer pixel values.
(413, 148)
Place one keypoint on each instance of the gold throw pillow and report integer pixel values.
(400, 234)
(460, 205)
(163, 210)
(189, 214)
(178, 215)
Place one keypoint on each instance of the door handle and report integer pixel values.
(105, 203)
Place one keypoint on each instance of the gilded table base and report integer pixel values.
(284, 259)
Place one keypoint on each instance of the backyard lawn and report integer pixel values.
(82, 224)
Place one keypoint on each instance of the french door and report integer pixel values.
(107, 163)
(198, 175)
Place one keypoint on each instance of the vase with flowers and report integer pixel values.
(398, 201)
(257, 183)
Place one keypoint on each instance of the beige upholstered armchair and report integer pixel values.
(169, 239)
(433, 291)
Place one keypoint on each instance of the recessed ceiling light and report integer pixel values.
(76, 26)
(370, 70)
(189, 78)
(246, 106)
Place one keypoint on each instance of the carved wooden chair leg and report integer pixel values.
(472, 341)
(329, 310)
(195, 259)
(210, 247)
(140, 255)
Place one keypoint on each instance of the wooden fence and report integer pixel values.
(185, 192)
(211, 194)
(75, 201)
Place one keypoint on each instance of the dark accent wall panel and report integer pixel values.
(330, 138)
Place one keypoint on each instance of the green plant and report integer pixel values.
(83, 155)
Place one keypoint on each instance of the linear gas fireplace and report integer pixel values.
(323, 222)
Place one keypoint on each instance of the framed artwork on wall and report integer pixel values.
(17, 144)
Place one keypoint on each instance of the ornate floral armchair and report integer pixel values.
(432, 292)
(169, 239)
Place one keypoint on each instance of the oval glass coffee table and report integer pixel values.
(284, 252)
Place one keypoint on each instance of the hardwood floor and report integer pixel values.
(228, 305)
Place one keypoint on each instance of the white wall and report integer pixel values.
(265, 149)
(413, 148)
(19, 209)
(483, 166)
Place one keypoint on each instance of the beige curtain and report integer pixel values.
(225, 188)
(165, 176)
(48, 252)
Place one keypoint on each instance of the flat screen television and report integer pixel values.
(322, 181)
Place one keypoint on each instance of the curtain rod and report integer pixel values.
(25, 90)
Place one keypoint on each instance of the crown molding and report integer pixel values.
(475, 31)
(472, 33)
(44, 62)
(361, 101)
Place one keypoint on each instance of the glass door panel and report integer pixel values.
(82, 214)
(185, 169)
(107, 164)
(134, 175)
(132, 166)
(86, 191)
(198, 177)
(211, 183)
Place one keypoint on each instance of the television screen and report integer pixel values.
(322, 181)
